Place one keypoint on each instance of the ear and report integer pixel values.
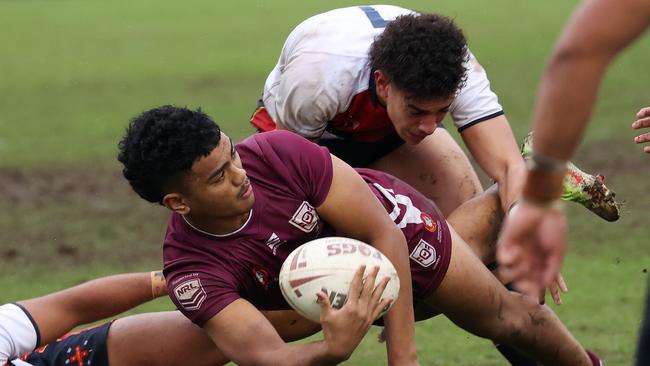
(176, 203)
(382, 82)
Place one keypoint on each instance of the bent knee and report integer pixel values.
(517, 316)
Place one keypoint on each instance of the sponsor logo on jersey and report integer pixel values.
(305, 218)
(262, 277)
(424, 253)
(428, 222)
(190, 294)
(274, 242)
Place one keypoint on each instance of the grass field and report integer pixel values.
(74, 72)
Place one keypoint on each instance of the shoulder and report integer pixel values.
(277, 144)
(19, 333)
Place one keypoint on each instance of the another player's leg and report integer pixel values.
(474, 299)
(170, 339)
(583, 188)
(437, 167)
(478, 222)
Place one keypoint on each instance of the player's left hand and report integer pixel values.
(531, 246)
(643, 121)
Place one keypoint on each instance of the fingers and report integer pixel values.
(645, 137)
(644, 112)
(561, 283)
(356, 285)
(369, 285)
(325, 306)
(379, 307)
(555, 293)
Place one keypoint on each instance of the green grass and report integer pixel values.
(74, 72)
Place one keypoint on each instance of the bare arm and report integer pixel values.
(595, 34)
(245, 336)
(533, 240)
(495, 149)
(353, 209)
(61, 311)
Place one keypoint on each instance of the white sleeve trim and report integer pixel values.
(475, 100)
(17, 333)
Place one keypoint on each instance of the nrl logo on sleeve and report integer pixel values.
(190, 294)
(305, 218)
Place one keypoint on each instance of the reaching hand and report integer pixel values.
(532, 245)
(643, 121)
(345, 328)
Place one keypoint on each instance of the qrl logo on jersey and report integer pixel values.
(305, 218)
(424, 253)
(190, 294)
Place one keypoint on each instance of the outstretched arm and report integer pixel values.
(534, 236)
(57, 313)
(245, 336)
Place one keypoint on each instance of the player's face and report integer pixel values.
(218, 186)
(413, 119)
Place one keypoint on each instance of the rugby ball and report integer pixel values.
(329, 264)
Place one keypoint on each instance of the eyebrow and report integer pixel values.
(223, 166)
(420, 110)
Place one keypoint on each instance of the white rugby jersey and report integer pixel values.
(18, 333)
(324, 64)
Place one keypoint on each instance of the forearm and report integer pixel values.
(495, 149)
(595, 34)
(400, 320)
(57, 313)
(313, 353)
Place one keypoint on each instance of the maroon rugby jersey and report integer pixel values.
(290, 176)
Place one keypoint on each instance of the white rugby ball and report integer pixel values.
(329, 264)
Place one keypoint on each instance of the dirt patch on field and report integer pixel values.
(66, 216)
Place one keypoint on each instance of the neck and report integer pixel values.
(218, 226)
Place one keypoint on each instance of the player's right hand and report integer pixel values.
(531, 247)
(345, 328)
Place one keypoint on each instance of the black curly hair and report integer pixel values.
(161, 144)
(422, 55)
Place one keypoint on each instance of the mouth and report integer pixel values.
(246, 190)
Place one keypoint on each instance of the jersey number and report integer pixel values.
(374, 17)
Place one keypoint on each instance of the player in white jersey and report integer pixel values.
(363, 80)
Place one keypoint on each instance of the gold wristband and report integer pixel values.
(158, 284)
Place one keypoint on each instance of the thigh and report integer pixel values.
(437, 167)
(470, 295)
(160, 339)
(169, 338)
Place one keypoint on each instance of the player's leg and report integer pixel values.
(437, 167)
(478, 222)
(160, 339)
(474, 299)
(169, 338)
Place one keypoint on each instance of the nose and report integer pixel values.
(238, 175)
(428, 125)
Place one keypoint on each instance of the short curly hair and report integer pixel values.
(161, 144)
(422, 55)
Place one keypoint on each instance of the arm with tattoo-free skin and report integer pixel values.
(57, 313)
(494, 147)
(533, 240)
(245, 336)
(352, 209)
